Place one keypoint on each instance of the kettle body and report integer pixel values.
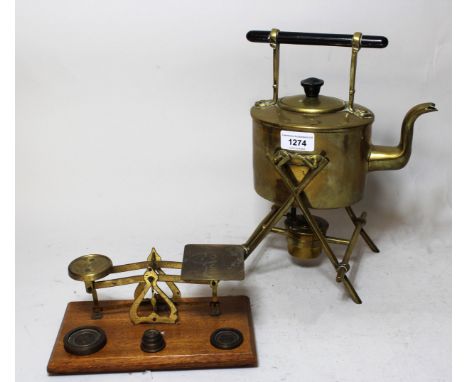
(342, 136)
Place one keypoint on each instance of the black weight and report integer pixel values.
(84, 340)
(152, 341)
(226, 338)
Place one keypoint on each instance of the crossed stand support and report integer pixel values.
(315, 163)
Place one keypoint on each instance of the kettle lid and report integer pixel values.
(311, 102)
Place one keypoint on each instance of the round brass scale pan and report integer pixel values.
(90, 267)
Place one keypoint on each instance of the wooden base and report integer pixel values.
(187, 342)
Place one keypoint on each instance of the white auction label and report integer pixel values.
(297, 140)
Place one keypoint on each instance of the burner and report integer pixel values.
(303, 243)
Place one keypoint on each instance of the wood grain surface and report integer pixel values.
(187, 342)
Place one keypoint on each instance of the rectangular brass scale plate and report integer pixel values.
(213, 262)
(187, 341)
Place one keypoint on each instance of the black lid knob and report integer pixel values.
(312, 86)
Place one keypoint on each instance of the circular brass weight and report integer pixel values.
(90, 267)
(84, 340)
(226, 338)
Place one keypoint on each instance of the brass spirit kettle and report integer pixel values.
(338, 129)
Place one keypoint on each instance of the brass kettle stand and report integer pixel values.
(315, 163)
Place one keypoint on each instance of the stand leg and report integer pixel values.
(331, 256)
(364, 234)
(344, 267)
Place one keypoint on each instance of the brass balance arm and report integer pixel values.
(93, 267)
(140, 279)
(90, 268)
(145, 264)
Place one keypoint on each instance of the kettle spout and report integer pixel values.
(396, 157)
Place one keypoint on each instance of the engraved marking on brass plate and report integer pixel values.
(213, 262)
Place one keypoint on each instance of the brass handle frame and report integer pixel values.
(276, 62)
(356, 44)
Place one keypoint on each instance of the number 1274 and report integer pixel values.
(297, 142)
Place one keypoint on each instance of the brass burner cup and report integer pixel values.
(303, 243)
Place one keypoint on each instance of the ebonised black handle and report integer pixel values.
(300, 38)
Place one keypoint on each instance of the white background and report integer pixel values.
(133, 130)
